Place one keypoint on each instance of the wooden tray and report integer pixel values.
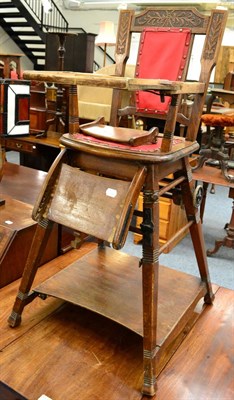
(132, 137)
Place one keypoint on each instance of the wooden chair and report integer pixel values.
(165, 48)
(94, 184)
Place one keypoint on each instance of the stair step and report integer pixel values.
(6, 4)
(11, 19)
(35, 46)
(38, 54)
(24, 31)
(23, 35)
(12, 14)
(40, 57)
(34, 42)
(19, 24)
(8, 11)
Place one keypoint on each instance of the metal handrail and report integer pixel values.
(52, 21)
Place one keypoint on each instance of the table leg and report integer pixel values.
(150, 269)
(24, 296)
(196, 232)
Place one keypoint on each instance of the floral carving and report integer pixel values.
(123, 32)
(213, 36)
(170, 18)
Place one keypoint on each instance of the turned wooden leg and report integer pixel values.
(200, 252)
(196, 233)
(23, 297)
(150, 268)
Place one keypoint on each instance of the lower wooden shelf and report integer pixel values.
(109, 283)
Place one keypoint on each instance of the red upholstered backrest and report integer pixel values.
(162, 55)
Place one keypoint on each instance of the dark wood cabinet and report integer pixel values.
(78, 56)
(79, 52)
(37, 107)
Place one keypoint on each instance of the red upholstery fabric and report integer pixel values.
(218, 119)
(143, 148)
(162, 55)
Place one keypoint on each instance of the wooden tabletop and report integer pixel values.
(212, 175)
(52, 139)
(227, 95)
(21, 183)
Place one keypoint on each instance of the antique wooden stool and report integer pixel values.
(218, 142)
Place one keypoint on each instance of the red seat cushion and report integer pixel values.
(162, 55)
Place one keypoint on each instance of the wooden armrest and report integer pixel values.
(169, 87)
(78, 78)
(128, 110)
(117, 82)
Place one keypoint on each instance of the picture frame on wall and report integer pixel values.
(14, 107)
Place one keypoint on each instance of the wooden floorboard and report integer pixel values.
(69, 353)
(203, 367)
(37, 310)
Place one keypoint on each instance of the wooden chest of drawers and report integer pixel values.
(16, 233)
(20, 145)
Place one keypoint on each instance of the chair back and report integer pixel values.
(162, 55)
(167, 37)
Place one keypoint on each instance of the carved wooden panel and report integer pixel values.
(171, 18)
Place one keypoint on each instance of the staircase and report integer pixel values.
(26, 22)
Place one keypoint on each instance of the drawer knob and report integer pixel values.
(18, 145)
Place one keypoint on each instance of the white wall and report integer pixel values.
(7, 45)
(90, 20)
